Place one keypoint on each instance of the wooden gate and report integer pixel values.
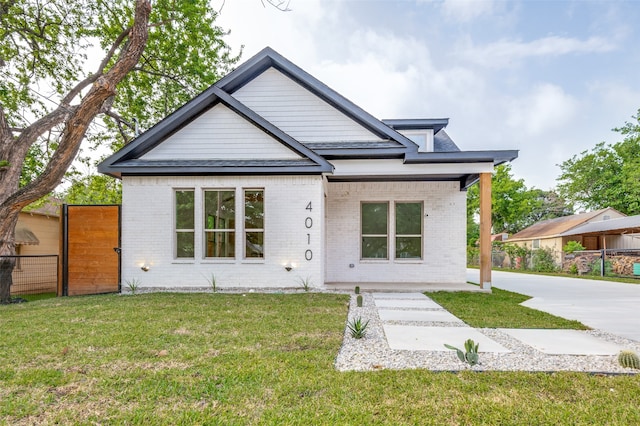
(90, 261)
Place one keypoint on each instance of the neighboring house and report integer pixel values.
(38, 230)
(606, 228)
(269, 178)
(37, 234)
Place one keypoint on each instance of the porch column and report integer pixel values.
(485, 230)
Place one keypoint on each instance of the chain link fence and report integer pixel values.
(32, 274)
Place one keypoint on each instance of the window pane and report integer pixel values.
(184, 244)
(408, 247)
(255, 244)
(374, 218)
(219, 210)
(408, 218)
(374, 248)
(254, 209)
(184, 210)
(221, 244)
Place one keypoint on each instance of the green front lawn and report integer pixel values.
(499, 309)
(255, 359)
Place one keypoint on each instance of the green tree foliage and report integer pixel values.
(514, 206)
(175, 66)
(150, 59)
(607, 175)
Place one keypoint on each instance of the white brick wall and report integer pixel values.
(444, 259)
(148, 233)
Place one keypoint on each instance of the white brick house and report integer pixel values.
(270, 177)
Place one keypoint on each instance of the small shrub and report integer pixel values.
(629, 359)
(596, 268)
(359, 301)
(473, 256)
(358, 328)
(543, 260)
(305, 283)
(572, 246)
(573, 269)
(516, 252)
(470, 354)
(133, 285)
(213, 283)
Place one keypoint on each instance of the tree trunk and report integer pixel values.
(77, 120)
(7, 261)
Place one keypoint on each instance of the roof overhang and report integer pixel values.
(25, 237)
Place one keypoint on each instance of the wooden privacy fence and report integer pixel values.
(90, 254)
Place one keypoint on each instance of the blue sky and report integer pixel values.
(550, 78)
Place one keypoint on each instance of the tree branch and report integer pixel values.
(79, 121)
(103, 64)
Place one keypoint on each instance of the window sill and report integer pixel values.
(217, 261)
(253, 261)
(409, 261)
(183, 261)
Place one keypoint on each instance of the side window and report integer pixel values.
(535, 244)
(374, 230)
(408, 230)
(184, 225)
(220, 223)
(254, 223)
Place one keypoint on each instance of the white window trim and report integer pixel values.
(391, 233)
(174, 247)
(243, 233)
(361, 236)
(213, 259)
(427, 133)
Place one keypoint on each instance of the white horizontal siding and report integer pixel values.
(221, 134)
(299, 112)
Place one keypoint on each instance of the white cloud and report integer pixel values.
(466, 10)
(544, 109)
(505, 52)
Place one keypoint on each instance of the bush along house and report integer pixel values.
(270, 179)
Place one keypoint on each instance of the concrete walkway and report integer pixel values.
(401, 314)
(604, 305)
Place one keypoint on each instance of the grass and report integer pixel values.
(159, 359)
(618, 279)
(499, 309)
(34, 297)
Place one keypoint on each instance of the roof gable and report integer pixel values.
(289, 149)
(221, 134)
(301, 113)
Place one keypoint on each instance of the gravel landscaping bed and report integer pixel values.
(373, 352)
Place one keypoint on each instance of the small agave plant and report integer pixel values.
(470, 353)
(358, 328)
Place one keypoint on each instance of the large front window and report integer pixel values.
(185, 227)
(375, 230)
(254, 223)
(404, 238)
(408, 230)
(220, 223)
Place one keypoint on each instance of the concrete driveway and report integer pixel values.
(604, 305)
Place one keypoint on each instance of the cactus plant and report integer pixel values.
(357, 289)
(629, 359)
(359, 301)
